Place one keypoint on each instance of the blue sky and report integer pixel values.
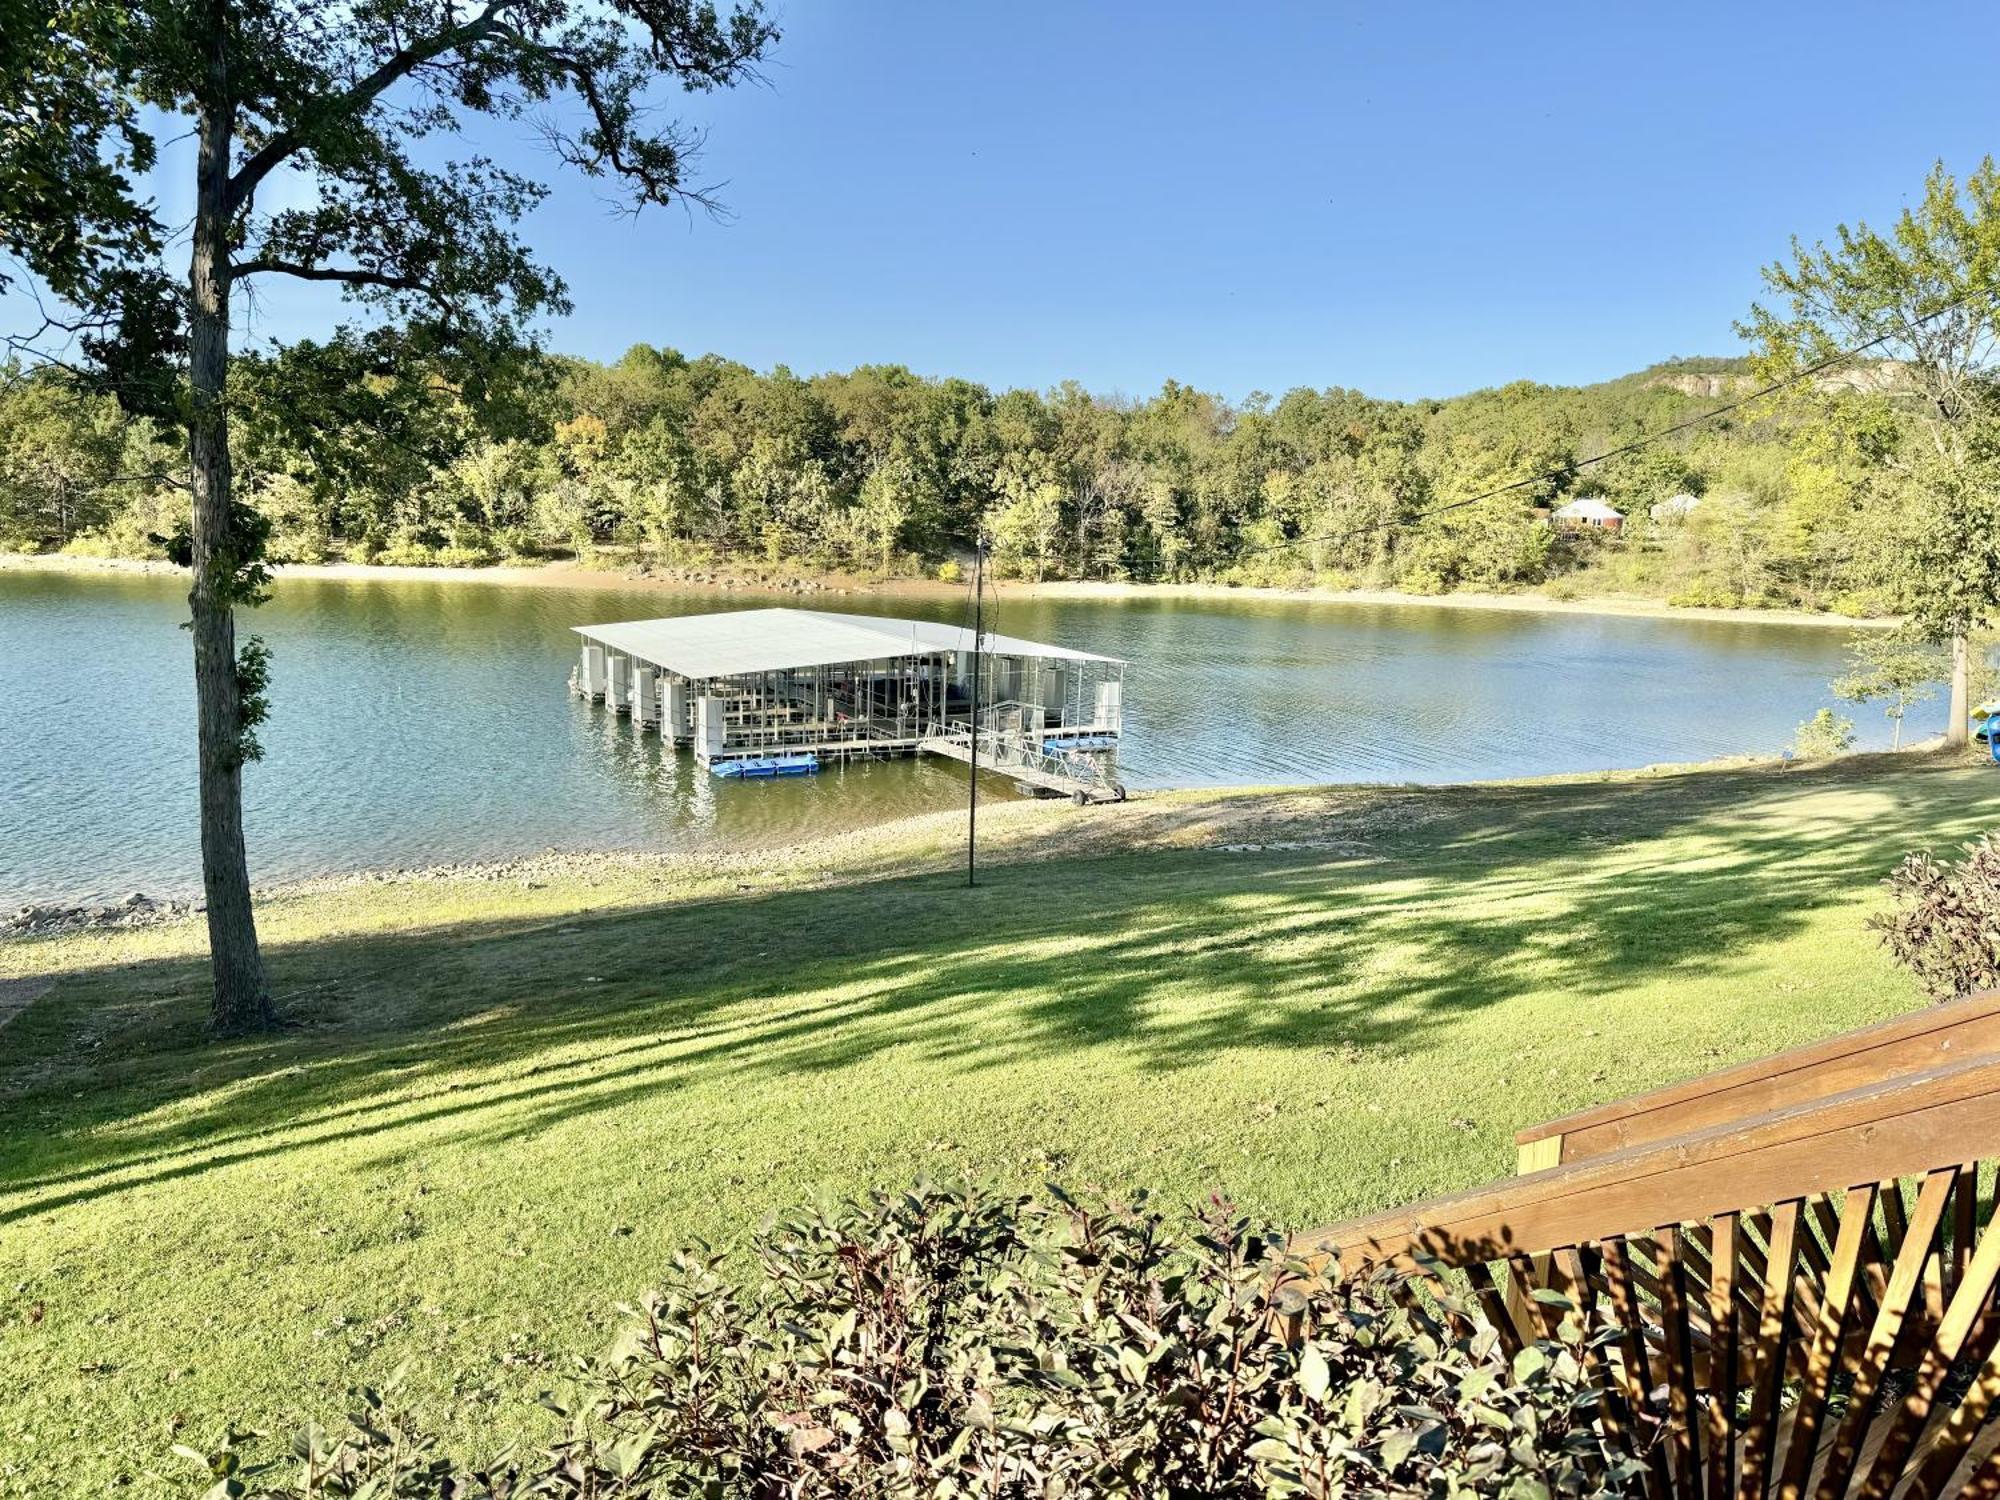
(1409, 199)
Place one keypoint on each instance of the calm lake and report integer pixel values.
(418, 723)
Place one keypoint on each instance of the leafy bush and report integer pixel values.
(406, 552)
(1704, 593)
(952, 1342)
(1825, 733)
(1946, 926)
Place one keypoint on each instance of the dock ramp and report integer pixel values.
(1018, 756)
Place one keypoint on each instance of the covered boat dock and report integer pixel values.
(754, 687)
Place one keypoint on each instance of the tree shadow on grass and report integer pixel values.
(499, 1030)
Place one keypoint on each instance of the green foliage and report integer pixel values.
(1824, 734)
(71, 464)
(1925, 294)
(952, 1341)
(253, 699)
(1946, 925)
(240, 567)
(874, 469)
(1896, 666)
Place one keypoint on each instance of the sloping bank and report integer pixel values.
(507, 1091)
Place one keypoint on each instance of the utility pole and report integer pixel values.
(978, 665)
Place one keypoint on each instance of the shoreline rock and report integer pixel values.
(136, 910)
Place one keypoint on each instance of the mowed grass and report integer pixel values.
(504, 1101)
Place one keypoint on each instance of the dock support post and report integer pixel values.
(709, 728)
(674, 711)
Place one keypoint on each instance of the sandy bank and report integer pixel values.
(1632, 605)
(721, 579)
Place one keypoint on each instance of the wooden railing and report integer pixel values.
(1874, 1054)
(1791, 1264)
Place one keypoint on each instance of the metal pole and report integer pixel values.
(972, 776)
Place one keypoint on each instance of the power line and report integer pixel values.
(1635, 446)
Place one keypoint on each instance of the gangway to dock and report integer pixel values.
(1017, 756)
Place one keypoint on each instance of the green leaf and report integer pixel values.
(1398, 1446)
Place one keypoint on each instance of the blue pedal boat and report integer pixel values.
(792, 763)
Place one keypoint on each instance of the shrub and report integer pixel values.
(407, 552)
(1823, 735)
(1946, 926)
(951, 570)
(952, 1342)
(1703, 593)
(1861, 604)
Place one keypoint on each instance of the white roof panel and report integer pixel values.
(741, 641)
(1591, 507)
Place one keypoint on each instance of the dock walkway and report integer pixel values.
(1028, 763)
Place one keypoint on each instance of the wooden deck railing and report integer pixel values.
(1874, 1054)
(1793, 1264)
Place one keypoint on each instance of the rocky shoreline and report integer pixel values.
(136, 910)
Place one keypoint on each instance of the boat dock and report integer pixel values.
(779, 692)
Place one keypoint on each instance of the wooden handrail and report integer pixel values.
(1906, 1125)
(1893, 1049)
(1791, 1301)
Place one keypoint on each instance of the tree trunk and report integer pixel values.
(242, 998)
(1958, 730)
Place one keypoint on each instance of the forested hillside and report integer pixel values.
(683, 462)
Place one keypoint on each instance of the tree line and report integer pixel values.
(677, 460)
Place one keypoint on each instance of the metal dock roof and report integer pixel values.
(741, 641)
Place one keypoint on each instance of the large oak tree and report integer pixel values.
(361, 106)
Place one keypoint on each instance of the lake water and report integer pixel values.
(416, 723)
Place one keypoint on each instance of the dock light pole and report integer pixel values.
(972, 775)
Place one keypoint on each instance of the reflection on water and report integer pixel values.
(416, 723)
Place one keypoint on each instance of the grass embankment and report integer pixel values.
(505, 1098)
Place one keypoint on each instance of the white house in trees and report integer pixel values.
(1588, 511)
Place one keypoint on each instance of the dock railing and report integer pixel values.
(1017, 754)
(1788, 1268)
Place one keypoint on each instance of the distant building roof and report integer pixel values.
(742, 641)
(1675, 505)
(1589, 508)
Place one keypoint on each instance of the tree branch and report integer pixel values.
(261, 162)
(352, 275)
(344, 275)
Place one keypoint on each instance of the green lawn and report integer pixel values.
(504, 1101)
